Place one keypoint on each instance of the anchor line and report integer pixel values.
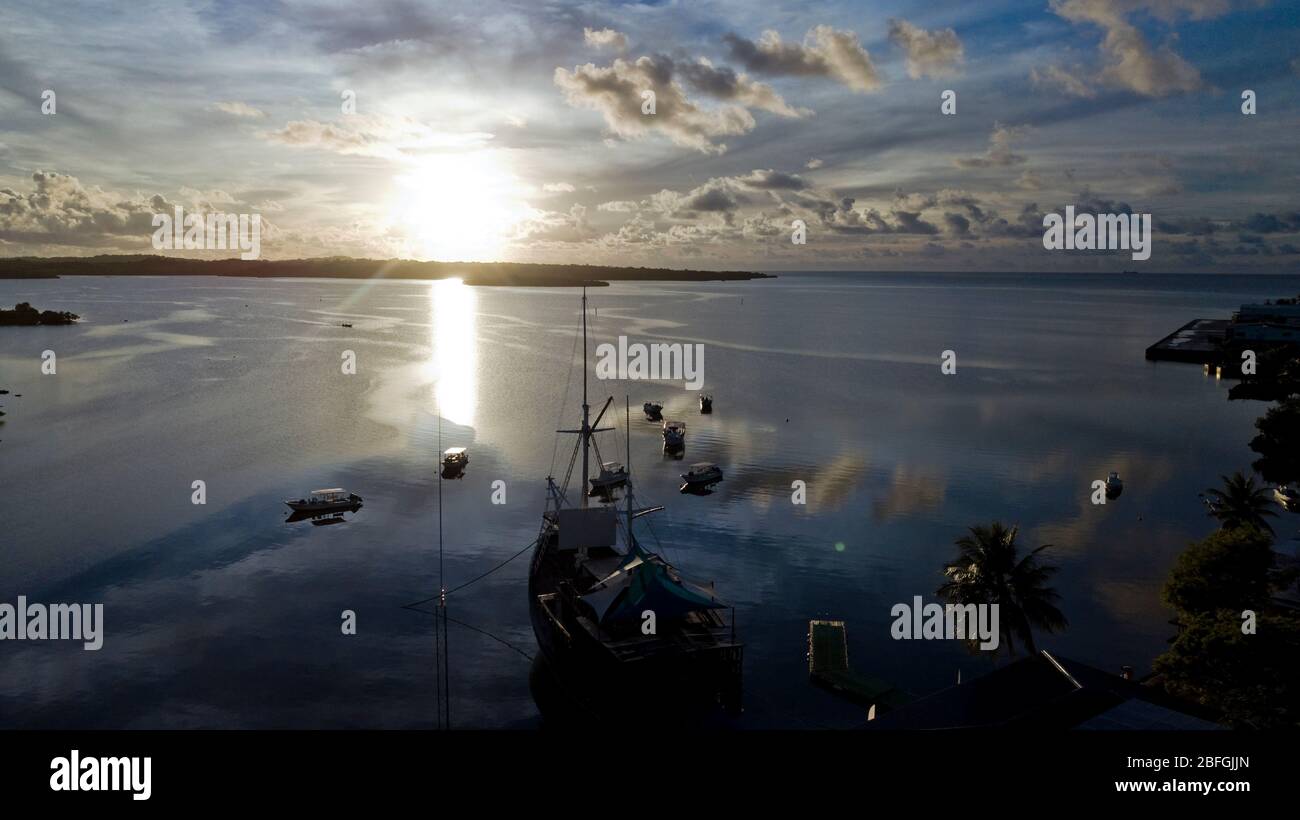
(437, 627)
(470, 627)
(415, 604)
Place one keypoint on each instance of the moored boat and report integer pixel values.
(702, 474)
(674, 434)
(612, 474)
(1113, 485)
(329, 500)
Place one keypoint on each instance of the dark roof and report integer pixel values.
(1045, 692)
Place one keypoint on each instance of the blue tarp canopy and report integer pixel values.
(642, 583)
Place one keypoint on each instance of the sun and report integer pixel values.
(457, 207)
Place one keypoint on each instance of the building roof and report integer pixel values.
(1045, 692)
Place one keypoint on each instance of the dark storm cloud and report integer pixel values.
(773, 180)
(825, 52)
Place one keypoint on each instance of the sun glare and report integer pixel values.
(457, 207)
(454, 337)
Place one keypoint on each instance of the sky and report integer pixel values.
(519, 131)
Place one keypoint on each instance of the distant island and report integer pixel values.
(346, 267)
(25, 314)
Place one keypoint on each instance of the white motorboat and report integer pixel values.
(455, 458)
(674, 434)
(653, 410)
(329, 500)
(702, 475)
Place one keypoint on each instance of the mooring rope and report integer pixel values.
(472, 580)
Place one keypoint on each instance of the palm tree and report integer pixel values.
(988, 570)
(1240, 503)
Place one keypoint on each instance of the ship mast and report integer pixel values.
(587, 429)
(627, 420)
(586, 409)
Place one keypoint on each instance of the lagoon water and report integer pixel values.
(224, 615)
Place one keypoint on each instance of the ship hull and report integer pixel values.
(688, 688)
(317, 509)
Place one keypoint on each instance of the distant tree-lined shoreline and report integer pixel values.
(346, 267)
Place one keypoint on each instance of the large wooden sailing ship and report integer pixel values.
(613, 623)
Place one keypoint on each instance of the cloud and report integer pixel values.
(846, 220)
(373, 136)
(999, 153)
(1029, 181)
(558, 188)
(726, 194)
(772, 180)
(929, 53)
(757, 207)
(556, 226)
(1130, 62)
(1071, 82)
(235, 108)
(1256, 224)
(825, 52)
(725, 84)
(61, 211)
(616, 92)
(605, 38)
(813, 164)
(1271, 223)
(958, 225)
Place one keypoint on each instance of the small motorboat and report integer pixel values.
(706, 403)
(334, 499)
(674, 434)
(454, 461)
(1114, 486)
(1288, 497)
(654, 411)
(612, 474)
(702, 475)
(346, 324)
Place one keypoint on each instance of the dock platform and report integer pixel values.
(1200, 341)
(828, 666)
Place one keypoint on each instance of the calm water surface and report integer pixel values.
(223, 615)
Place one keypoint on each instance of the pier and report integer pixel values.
(828, 666)
(1200, 341)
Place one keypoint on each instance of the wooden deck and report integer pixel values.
(828, 666)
